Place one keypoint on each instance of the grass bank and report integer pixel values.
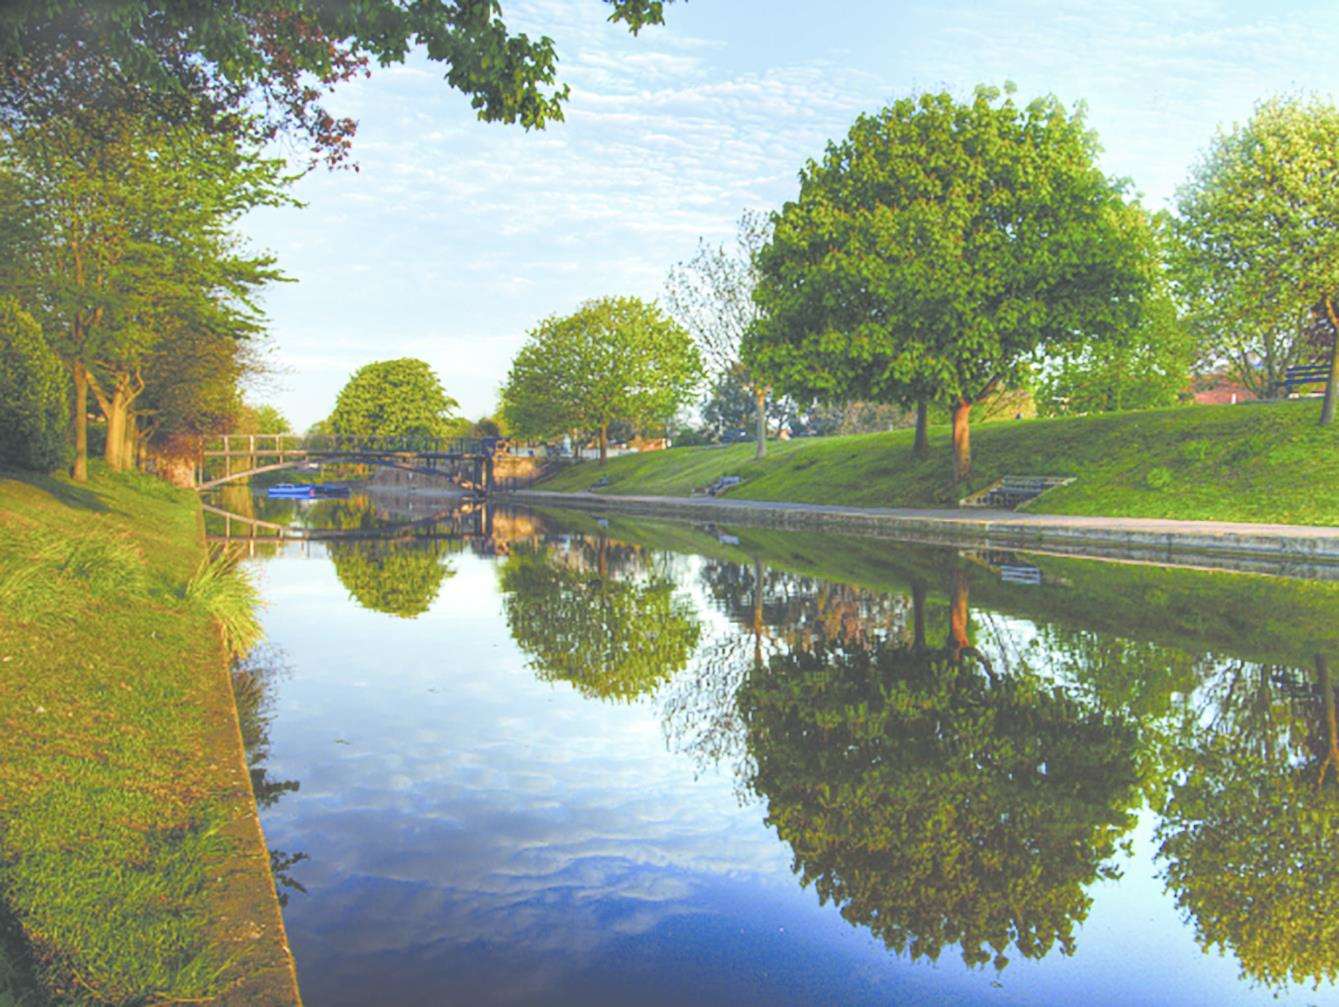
(1260, 462)
(128, 852)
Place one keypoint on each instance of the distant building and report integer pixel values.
(1220, 390)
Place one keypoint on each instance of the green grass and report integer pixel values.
(111, 814)
(1267, 463)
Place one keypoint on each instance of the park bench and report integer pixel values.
(718, 487)
(1305, 374)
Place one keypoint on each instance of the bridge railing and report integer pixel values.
(282, 445)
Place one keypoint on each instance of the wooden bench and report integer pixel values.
(1307, 374)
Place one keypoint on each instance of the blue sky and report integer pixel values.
(455, 237)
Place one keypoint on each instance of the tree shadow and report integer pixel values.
(66, 492)
(18, 980)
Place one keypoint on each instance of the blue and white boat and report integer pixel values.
(307, 490)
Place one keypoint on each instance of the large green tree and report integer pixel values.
(259, 68)
(1259, 226)
(396, 399)
(615, 360)
(938, 247)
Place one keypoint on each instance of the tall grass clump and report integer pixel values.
(39, 570)
(106, 563)
(228, 593)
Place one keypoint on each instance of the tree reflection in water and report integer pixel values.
(252, 683)
(950, 779)
(937, 800)
(398, 577)
(599, 615)
(1247, 829)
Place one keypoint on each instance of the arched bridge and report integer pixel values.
(232, 457)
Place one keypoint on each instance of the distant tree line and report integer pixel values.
(949, 257)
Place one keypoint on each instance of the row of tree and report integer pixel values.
(119, 249)
(945, 250)
(131, 134)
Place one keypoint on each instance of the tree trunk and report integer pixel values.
(130, 452)
(760, 402)
(604, 442)
(115, 409)
(962, 440)
(757, 612)
(921, 447)
(79, 472)
(1327, 407)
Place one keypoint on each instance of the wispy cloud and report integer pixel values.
(456, 236)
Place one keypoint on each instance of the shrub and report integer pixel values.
(1158, 478)
(34, 395)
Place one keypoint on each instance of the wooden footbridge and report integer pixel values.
(232, 457)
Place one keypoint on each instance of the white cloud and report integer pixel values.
(456, 236)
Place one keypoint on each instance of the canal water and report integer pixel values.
(548, 758)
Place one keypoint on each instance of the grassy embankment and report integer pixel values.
(125, 815)
(1266, 463)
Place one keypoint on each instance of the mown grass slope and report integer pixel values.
(115, 800)
(1258, 462)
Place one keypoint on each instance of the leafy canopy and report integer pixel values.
(260, 67)
(931, 252)
(34, 394)
(1259, 238)
(394, 398)
(617, 359)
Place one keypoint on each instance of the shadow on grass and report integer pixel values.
(18, 983)
(65, 492)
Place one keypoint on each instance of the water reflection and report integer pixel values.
(253, 682)
(954, 751)
(935, 799)
(603, 616)
(1247, 829)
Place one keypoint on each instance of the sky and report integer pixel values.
(455, 237)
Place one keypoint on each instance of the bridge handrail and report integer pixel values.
(271, 444)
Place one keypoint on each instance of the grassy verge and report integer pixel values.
(117, 807)
(1268, 463)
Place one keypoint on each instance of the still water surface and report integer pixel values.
(562, 760)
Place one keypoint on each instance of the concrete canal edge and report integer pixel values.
(1285, 550)
(249, 921)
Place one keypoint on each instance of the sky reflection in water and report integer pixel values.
(491, 821)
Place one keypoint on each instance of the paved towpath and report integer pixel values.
(1276, 543)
